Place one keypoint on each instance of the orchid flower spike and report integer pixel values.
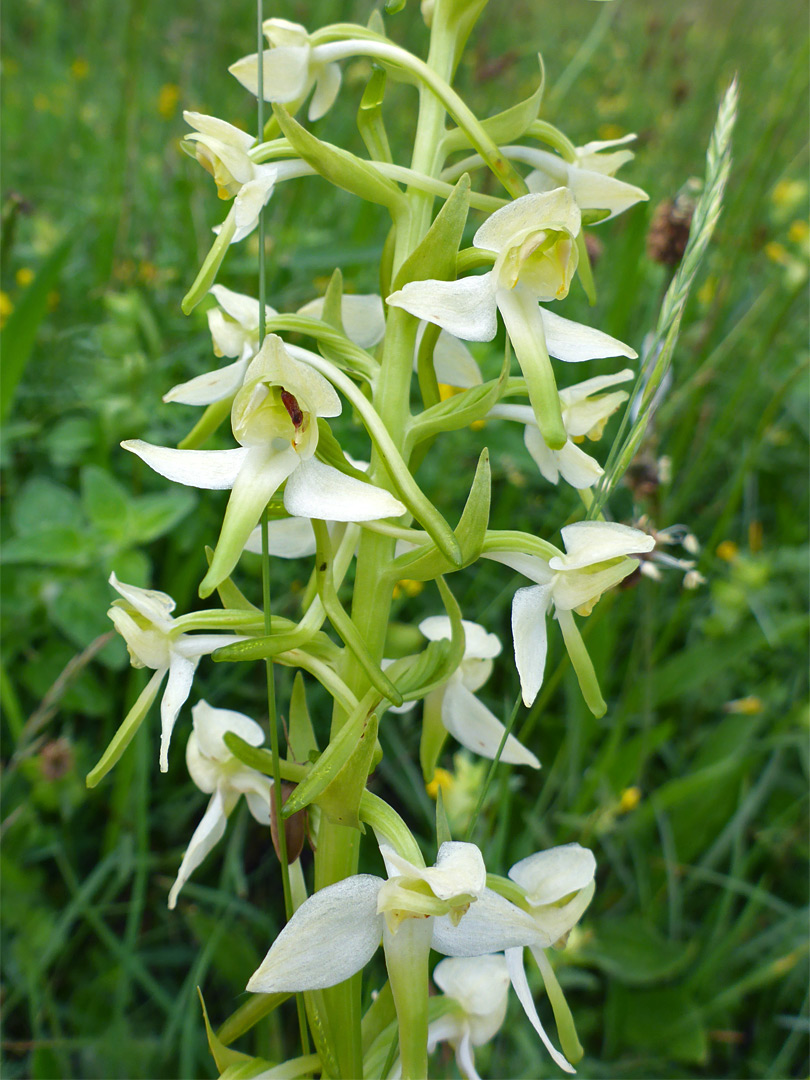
(479, 989)
(143, 619)
(585, 411)
(596, 559)
(222, 150)
(536, 255)
(455, 706)
(337, 930)
(275, 419)
(290, 68)
(216, 771)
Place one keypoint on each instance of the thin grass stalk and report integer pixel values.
(662, 346)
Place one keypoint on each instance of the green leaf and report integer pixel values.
(248, 1014)
(633, 952)
(223, 1056)
(433, 735)
(339, 167)
(351, 739)
(55, 545)
(426, 563)
(301, 736)
(435, 257)
(152, 516)
(652, 1019)
(20, 332)
(340, 800)
(41, 499)
(507, 126)
(104, 500)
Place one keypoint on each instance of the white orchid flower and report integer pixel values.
(585, 411)
(337, 930)
(591, 155)
(216, 771)
(467, 719)
(479, 986)
(534, 241)
(595, 560)
(222, 150)
(290, 69)
(558, 885)
(362, 315)
(274, 418)
(234, 327)
(143, 619)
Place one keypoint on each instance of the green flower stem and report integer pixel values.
(213, 260)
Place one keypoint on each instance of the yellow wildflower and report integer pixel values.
(24, 276)
(6, 307)
(80, 69)
(168, 98)
(727, 550)
(629, 799)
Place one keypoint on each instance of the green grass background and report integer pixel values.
(692, 960)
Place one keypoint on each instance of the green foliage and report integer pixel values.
(692, 960)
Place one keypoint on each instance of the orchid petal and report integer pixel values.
(547, 461)
(480, 985)
(545, 210)
(574, 395)
(590, 542)
(287, 538)
(244, 309)
(208, 833)
(153, 605)
(465, 1058)
(465, 308)
(529, 609)
(459, 869)
(181, 676)
(490, 925)
(478, 643)
(219, 129)
(211, 725)
(575, 342)
(193, 646)
(472, 724)
(316, 490)
(330, 937)
(530, 566)
(573, 590)
(576, 467)
(327, 86)
(517, 974)
(362, 315)
(453, 362)
(211, 469)
(285, 72)
(263, 470)
(555, 922)
(210, 387)
(249, 202)
(548, 876)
